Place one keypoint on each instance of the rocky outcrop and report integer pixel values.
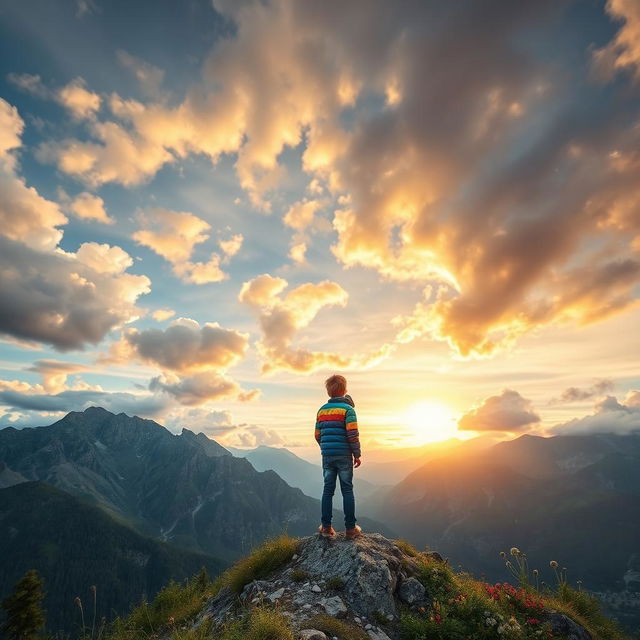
(367, 584)
(360, 581)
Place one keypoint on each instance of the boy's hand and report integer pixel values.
(357, 462)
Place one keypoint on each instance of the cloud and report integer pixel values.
(66, 300)
(142, 405)
(162, 314)
(199, 388)
(29, 83)
(575, 394)
(54, 373)
(185, 346)
(79, 101)
(623, 52)
(300, 214)
(282, 317)
(25, 215)
(231, 246)
(609, 416)
(423, 167)
(179, 233)
(90, 207)
(149, 77)
(507, 412)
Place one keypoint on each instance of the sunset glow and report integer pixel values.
(201, 221)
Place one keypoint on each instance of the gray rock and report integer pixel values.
(276, 595)
(378, 634)
(411, 591)
(368, 566)
(312, 634)
(333, 606)
(316, 588)
(562, 625)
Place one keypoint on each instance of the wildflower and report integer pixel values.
(535, 572)
(503, 555)
(533, 621)
(171, 620)
(515, 551)
(553, 564)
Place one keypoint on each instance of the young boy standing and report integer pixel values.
(337, 434)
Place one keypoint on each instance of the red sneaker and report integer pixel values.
(356, 532)
(327, 532)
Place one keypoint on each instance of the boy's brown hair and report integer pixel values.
(336, 386)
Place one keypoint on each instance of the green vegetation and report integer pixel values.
(406, 547)
(258, 624)
(178, 603)
(23, 608)
(334, 627)
(335, 583)
(271, 555)
(299, 575)
(462, 607)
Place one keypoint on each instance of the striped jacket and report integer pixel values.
(337, 428)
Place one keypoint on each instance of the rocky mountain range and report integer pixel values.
(184, 489)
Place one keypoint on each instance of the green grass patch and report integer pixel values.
(406, 547)
(259, 624)
(173, 605)
(334, 627)
(271, 555)
(299, 575)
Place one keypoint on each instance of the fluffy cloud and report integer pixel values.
(507, 412)
(610, 416)
(185, 346)
(430, 188)
(199, 388)
(143, 404)
(80, 102)
(66, 300)
(282, 317)
(54, 374)
(90, 207)
(231, 246)
(162, 314)
(575, 394)
(178, 234)
(623, 52)
(25, 215)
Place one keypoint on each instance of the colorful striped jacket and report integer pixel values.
(337, 428)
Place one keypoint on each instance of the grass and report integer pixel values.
(462, 607)
(299, 575)
(334, 627)
(179, 603)
(406, 547)
(259, 624)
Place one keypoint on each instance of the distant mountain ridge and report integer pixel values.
(75, 545)
(186, 489)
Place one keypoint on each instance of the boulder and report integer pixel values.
(412, 592)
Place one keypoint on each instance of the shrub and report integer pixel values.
(298, 575)
(334, 627)
(260, 563)
(259, 624)
(406, 547)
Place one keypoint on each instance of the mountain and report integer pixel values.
(185, 489)
(371, 588)
(295, 471)
(571, 500)
(75, 545)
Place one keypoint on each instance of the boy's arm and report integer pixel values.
(351, 424)
(317, 431)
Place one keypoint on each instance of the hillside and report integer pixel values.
(371, 588)
(75, 545)
(184, 489)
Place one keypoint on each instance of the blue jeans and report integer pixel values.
(342, 467)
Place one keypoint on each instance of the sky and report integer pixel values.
(206, 208)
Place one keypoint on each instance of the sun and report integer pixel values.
(430, 422)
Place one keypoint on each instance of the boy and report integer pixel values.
(337, 434)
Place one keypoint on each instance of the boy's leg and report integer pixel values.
(345, 473)
(329, 472)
